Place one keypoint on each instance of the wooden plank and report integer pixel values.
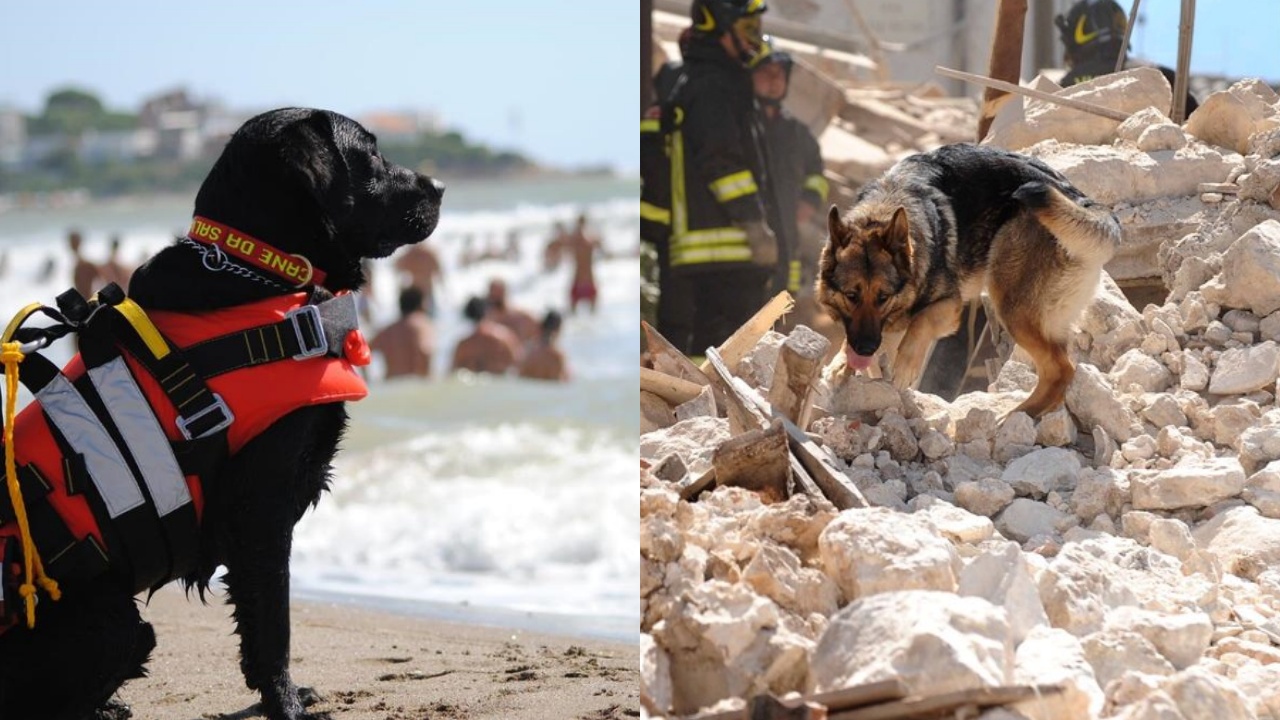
(1128, 33)
(835, 485)
(1224, 188)
(850, 697)
(768, 707)
(743, 415)
(757, 460)
(698, 485)
(1029, 92)
(672, 389)
(859, 695)
(804, 481)
(932, 705)
(1006, 59)
(745, 338)
(1182, 75)
(668, 359)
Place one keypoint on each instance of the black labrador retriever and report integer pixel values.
(307, 182)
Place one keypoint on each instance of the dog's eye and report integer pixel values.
(882, 298)
(854, 298)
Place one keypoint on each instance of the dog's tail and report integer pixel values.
(1088, 232)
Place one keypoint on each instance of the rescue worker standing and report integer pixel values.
(795, 164)
(1092, 32)
(721, 250)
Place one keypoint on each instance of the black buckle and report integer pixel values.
(308, 348)
(222, 419)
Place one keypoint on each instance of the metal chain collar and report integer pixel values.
(216, 260)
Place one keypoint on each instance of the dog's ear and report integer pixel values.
(897, 238)
(312, 155)
(835, 229)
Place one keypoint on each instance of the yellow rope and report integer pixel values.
(11, 355)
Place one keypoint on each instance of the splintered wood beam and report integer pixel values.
(672, 389)
(1186, 27)
(743, 415)
(843, 699)
(668, 359)
(1128, 33)
(835, 485)
(757, 460)
(1072, 103)
(933, 705)
(1006, 59)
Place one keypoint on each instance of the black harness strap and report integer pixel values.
(309, 331)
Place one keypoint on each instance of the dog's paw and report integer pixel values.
(114, 709)
(1034, 195)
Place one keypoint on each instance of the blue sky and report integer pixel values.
(1231, 37)
(555, 79)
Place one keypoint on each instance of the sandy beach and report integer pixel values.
(369, 665)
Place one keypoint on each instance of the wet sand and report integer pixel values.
(368, 665)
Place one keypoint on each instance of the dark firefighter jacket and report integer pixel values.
(717, 161)
(795, 162)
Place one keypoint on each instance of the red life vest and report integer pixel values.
(76, 494)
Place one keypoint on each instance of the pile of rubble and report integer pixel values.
(807, 531)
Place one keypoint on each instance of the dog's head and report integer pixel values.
(312, 182)
(864, 275)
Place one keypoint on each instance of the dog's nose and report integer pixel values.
(432, 186)
(866, 346)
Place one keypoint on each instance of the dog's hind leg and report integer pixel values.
(85, 645)
(1054, 370)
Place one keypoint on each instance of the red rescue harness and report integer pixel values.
(112, 485)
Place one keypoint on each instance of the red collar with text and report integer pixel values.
(294, 269)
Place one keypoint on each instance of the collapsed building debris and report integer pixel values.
(1115, 559)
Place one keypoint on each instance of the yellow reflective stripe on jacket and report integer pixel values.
(733, 186)
(793, 277)
(711, 255)
(728, 244)
(679, 201)
(653, 213)
(650, 125)
(818, 184)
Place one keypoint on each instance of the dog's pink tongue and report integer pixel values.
(856, 361)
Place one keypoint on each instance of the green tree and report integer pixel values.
(71, 111)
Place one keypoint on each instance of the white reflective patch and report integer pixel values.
(110, 474)
(142, 433)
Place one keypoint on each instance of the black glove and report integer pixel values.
(763, 243)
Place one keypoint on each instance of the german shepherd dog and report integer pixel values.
(939, 228)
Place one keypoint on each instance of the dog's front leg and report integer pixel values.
(258, 586)
(935, 321)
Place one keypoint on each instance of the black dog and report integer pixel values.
(311, 183)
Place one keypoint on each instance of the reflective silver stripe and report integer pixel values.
(141, 431)
(62, 402)
(716, 236)
(714, 245)
(708, 255)
(734, 186)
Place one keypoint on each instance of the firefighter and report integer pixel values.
(796, 165)
(721, 249)
(1092, 32)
